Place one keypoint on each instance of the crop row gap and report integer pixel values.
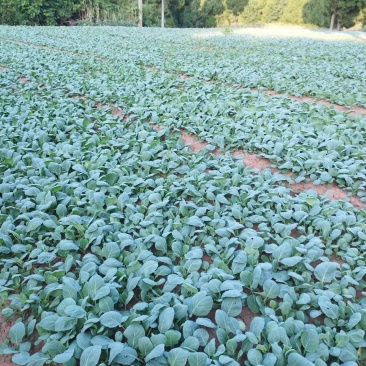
(351, 110)
(252, 161)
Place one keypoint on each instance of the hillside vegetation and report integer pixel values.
(184, 13)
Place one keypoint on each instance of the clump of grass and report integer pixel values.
(227, 30)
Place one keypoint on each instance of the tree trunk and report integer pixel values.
(338, 25)
(140, 12)
(334, 14)
(162, 14)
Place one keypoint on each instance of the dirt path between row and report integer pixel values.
(351, 110)
(5, 360)
(252, 161)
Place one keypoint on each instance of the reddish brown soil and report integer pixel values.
(207, 258)
(335, 258)
(319, 320)
(76, 96)
(295, 233)
(156, 127)
(247, 316)
(253, 161)
(334, 192)
(194, 144)
(23, 80)
(353, 110)
(116, 112)
(152, 68)
(5, 360)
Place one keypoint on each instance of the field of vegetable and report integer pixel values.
(121, 244)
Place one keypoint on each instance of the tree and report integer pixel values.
(55, 12)
(236, 6)
(293, 12)
(140, 12)
(273, 10)
(343, 11)
(253, 12)
(316, 12)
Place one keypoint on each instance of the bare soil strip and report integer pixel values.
(253, 161)
(23, 80)
(351, 110)
(53, 48)
(5, 360)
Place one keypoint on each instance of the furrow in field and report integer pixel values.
(351, 110)
(52, 48)
(5, 360)
(252, 161)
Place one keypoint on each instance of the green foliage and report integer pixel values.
(253, 12)
(227, 30)
(316, 12)
(120, 246)
(300, 12)
(37, 12)
(320, 12)
(191, 15)
(210, 10)
(293, 12)
(41, 12)
(180, 13)
(347, 11)
(236, 6)
(274, 10)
